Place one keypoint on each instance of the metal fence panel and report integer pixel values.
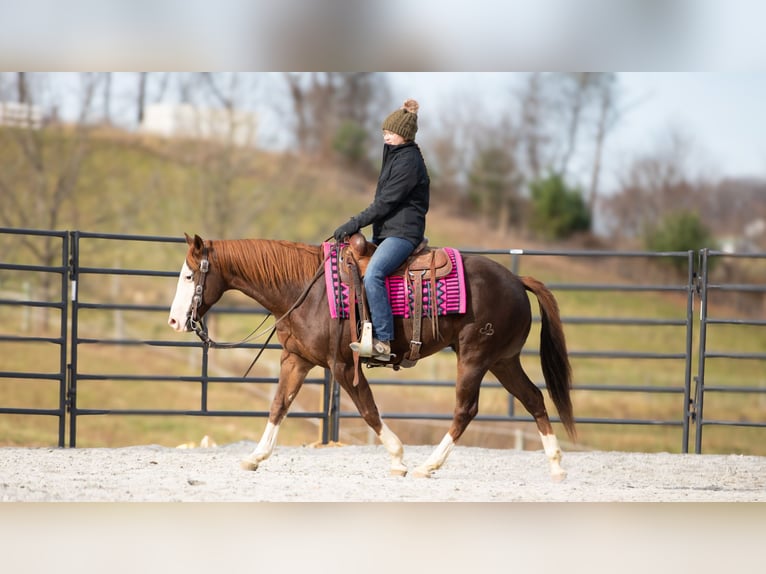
(95, 289)
(82, 337)
(681, 358)
(43, 287)
(715, 316)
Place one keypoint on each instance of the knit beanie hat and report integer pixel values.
(404, 121)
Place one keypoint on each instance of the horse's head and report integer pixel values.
(199, 286)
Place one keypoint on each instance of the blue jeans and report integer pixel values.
(388, 256)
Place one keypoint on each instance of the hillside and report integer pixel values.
(150, 187)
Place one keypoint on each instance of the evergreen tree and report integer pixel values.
(557, 210)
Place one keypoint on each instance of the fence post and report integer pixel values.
(688, 411)
(204, 377)
(326, 405)
(515, 262)
(74, 264)
(335, 411)
(63, 334)
(699, 393)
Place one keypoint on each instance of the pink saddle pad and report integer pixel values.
(450, 290)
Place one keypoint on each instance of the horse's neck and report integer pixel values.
(274, 273)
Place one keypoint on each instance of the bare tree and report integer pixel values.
(321, 101)
(446, 169)
(654, 184)
(141, 97)
(607, 116)
(222, 156)
(151, 87)
(532, 132)
(300, 108)
(494, 178)
(562, 116)
(213, 84)
(107, 98)
(40, 181)
(47, 161)
(22, 88)
(576, 91)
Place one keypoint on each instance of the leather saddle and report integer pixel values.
(423, 264)
(428, 262)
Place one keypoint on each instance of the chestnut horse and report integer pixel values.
(488, 337)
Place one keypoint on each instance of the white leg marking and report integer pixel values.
(264, 449)
(438, 457)
(394, 447)
(553, 452)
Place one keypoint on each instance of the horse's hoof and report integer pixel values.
(249, 464)
(422, 473)
(398, 472)
(559, 476)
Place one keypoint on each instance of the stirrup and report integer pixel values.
(375, 357)
(380, 360)
(364, 345)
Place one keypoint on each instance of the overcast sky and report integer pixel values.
(722, 114)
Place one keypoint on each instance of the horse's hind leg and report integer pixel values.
(364, 401)
(466, 407)
(512, 376)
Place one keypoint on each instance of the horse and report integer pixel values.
(488, 337)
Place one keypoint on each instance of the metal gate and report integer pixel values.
(28, 291)
(87, 302)
(718, 319)
(678, 359)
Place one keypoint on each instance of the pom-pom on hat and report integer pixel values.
(404, 121)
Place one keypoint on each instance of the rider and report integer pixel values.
(398, 217)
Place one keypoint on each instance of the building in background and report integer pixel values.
(20, 115)
(188, 121)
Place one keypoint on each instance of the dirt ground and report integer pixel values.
(360, 474)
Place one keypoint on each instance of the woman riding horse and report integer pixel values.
(398, 218)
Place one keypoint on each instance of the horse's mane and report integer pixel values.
(269, 261)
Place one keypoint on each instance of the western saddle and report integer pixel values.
(425, 263)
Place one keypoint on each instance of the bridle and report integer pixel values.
(198, 326)
(193, 318)
(194, 321)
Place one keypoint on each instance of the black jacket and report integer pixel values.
(402, 196)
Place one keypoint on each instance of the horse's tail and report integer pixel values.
(553, 353)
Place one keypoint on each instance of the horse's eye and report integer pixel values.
(189, 277)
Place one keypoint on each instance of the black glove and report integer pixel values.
(348, 228)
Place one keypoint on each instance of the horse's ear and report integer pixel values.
(197, 242)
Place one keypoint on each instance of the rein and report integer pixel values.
(199, 328)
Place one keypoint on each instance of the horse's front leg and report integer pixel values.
(364, 401)
(293, 371)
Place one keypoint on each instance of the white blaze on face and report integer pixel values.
(182, 301)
